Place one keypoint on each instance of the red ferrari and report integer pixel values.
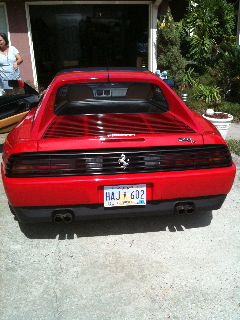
(113, 142)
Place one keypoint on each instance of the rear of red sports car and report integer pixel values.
(113, 143)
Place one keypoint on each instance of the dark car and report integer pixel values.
(110, 143)
(15, 106)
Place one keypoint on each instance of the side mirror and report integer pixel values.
(20, 84)
(170, 83)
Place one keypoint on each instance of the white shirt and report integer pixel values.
(6, 67)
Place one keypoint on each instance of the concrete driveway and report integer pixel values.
(169, 267)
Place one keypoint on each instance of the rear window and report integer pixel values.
(105, 98)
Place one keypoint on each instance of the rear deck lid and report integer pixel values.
(96, 114)
(100, 131)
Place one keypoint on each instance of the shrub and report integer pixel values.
(203, 87)
(190, 77)
(210, 94)
(170, 57)
(228, 69)
(200, 106)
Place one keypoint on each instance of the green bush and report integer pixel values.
(235, 90)
(190, 77)
(228, 70)
(170, 57)
(200, 106)
(209, 94)
(203, 87)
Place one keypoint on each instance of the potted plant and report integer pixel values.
(220, 120)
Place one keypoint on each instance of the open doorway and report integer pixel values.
(67, 36)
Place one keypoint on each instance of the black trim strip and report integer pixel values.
(97, 211)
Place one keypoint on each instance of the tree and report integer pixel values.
(208, 23)
(228, 70)
(170, 57)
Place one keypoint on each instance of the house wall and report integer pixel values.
(19, 36)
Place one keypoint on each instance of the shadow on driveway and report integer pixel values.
(1, 147)
(2, 139)
(92, 228)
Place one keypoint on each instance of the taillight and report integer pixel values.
(107, 161)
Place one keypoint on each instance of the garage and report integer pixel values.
(51, 35)
(94, 35)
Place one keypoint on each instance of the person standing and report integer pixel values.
(10, 59)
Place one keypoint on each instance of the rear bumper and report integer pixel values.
(84, 191)
(97, 211)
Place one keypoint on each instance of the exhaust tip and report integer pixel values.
(67, 217)
(64, 215)
(180, 210)
(58, 218)
(184, 208)
(189, 209)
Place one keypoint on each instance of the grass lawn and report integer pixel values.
(234, 146)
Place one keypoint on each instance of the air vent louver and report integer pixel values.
(107, 124)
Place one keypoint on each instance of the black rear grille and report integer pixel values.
(115, 161)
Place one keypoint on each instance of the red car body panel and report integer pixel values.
(43, 131)
(98, 143)
(88, 190)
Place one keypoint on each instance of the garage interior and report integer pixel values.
(67, 36)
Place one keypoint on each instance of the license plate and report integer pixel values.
(125, 195)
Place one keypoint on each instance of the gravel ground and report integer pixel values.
(167, 267)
